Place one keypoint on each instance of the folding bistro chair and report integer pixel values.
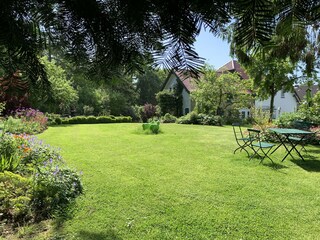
(302, 140)
(258, 146)
(242, 141)
(297, 140)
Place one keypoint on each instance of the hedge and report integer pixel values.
(93, 119)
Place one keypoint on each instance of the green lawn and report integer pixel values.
(184, 183)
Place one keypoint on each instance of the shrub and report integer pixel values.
(152, 127)
(168, 118)
(53, 118)
(34, 181)
(15, 197)
(167, 101)
(203, 119)
(54, 189)
(287, 120)
(212, 120)
(148, 111)
(106, 119)
(26, 120)
(58, 121)
(315, 138)
(93, 119)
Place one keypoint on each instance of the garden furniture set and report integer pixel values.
(289, 138)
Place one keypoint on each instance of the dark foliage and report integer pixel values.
(93, 119)
(124, 33)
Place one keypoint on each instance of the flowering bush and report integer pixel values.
(26, 120)
(35, 183)
(315, 138)
(148, 111)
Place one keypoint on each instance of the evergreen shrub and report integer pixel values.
(99, 119)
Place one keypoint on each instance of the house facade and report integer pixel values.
(284, 102)
(188, 83)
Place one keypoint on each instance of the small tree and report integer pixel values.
(148, 111)
(270, 75)
(221, 95)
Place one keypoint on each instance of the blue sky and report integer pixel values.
(213, 49)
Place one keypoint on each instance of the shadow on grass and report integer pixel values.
(311, 164)
(275, 166)
(314, 151)
(105, 235)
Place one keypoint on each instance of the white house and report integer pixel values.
(188, 84)
(283, 101)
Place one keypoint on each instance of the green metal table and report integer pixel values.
(288, 144)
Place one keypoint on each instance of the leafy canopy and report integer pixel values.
(121, 33)
(220, 95)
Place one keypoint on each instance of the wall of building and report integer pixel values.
(186, 107)
(171, 83)
(283, 102)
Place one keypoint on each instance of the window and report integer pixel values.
(186, 110)
(243, 114)
(282, 93)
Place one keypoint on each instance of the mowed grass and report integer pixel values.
(184, 183)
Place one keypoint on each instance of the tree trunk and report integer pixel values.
(219, 103)
(271, 104)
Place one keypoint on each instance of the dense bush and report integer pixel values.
(93, 119)
(315, 138)
(148, 111)
(202, 119)
(53, 118)
(168, 102)
(288, 120)
(35, 184)
(26, 120)
(168, 118)
(300, 121)
(151, 127)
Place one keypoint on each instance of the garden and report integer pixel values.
(112, 126)
(117, 181)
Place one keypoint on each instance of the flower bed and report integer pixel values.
(35, 184)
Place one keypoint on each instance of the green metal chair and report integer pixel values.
(242, 141)
(302, 140)
(260, 148)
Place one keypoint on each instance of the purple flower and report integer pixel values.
(56, 171)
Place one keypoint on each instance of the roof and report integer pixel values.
(185, 78)
(300, 91)
(233, 66)
(188, 80)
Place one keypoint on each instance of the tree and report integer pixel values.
(221, 95)
(63, 96)
(270, 75)
(148, 84)
(109, 34)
